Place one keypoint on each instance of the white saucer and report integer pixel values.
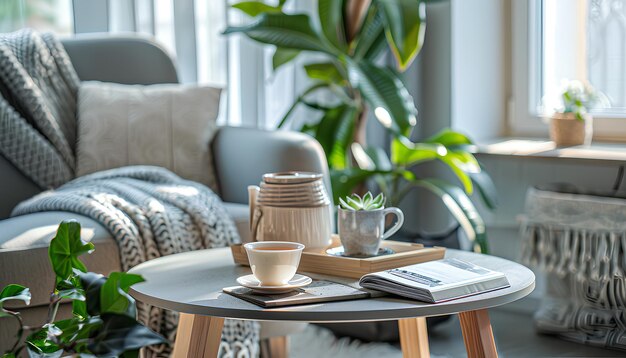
(252, 283)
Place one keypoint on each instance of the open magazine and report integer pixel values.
(436, 281)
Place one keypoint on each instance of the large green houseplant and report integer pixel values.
(103, 321)
(352, 35)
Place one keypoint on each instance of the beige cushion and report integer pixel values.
(166, 125)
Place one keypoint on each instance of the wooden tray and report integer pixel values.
(406, 254)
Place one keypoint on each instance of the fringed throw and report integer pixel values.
(580, 242)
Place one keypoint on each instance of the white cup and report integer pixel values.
(274, 263)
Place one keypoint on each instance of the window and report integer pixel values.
(43, 15)
(558, 40)
(191, 31)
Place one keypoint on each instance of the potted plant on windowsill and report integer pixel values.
(571, 124)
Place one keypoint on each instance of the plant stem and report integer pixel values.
(20, 331)
(52, 311)
(53, 307)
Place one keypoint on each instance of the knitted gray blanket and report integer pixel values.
(38, 107)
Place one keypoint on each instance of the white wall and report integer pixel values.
(479, 67)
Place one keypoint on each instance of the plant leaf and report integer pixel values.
(255, 8)
(367, 199)
(120, 333)
(371, 39)
(393, 105)
(114, 297)
(335, 132)
(76, 332)
(92, 284)
(324, 71)
(15, 292)
(79, 309)
(331, 19)
(345, 205)
(379, 157)
(70, 289)
(65, 248)
(286, 31)
(39, 343)
(344, 134)
(461, 208)
(344, 181)
(379, 200)
(486, 188)
(405, 153)
(283, 56)
(449, 138)
(405, 26)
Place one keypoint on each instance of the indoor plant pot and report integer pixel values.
(567, 130)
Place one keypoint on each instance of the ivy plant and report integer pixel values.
(103, 319)
(349, 38)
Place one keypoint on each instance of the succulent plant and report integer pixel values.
(368, 202)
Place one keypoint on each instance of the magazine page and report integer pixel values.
(438, 275)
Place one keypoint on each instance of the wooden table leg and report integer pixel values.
(414, 337)
(275, 347)
(198, 336)
(477, 334)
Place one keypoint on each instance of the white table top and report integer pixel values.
(192, 283)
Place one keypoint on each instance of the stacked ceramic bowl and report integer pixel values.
(293, 189)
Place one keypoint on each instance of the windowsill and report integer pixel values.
(542, 148)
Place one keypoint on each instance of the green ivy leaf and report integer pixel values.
(15, 292)
(65, 248)
(79, 309)
(114, 297)
(70, 289)
(76, 332)
(92, 284)
(39, 343)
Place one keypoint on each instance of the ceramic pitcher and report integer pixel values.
(291, 206)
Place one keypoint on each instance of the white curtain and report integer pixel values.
(190, 30)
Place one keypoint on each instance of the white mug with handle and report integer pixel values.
(362, 231)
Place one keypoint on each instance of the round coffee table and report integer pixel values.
(191, 283)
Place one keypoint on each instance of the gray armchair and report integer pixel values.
(241, 156)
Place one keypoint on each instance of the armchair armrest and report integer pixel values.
(243, 155)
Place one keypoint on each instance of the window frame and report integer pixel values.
(523, 117)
